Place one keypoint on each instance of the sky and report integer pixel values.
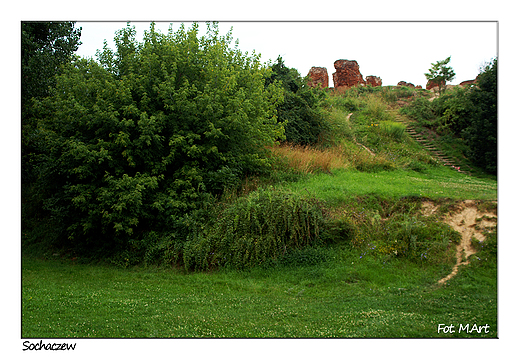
(393, 50)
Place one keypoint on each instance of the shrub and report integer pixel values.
(395, 228)
(409, 236)
(482, 130)
(303, 121)
(260, 227)
(421, 110)
(453, 109)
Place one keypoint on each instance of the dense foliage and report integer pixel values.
(482, 131)
(299, 112)
(140, 140)
(469, 113)
(45, 48)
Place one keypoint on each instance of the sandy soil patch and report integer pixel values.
(470, 222)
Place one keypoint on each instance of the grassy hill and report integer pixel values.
(373, 272)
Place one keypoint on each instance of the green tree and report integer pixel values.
(440, 73)
(481, 133)
(46, 46)
(141, 139)
(299, 111)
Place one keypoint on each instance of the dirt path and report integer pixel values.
(470, 222)
(354, 138)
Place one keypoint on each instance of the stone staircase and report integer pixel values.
(428, 143)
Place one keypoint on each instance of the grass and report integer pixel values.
(434, 183)
(309, 160)
(346, 296)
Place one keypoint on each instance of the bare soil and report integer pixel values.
(471, 223)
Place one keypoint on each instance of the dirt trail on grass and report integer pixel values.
(470, 222)
(354, 138)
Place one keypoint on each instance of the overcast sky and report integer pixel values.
(394, 51)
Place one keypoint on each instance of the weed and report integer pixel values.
(256, 228)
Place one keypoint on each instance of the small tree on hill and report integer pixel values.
(440, 73)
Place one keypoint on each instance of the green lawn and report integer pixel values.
(344, 296)
(434, 183)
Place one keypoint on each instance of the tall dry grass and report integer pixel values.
(308, 160)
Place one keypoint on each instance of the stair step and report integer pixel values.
(429, 146)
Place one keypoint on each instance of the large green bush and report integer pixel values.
(45, 48)
(454, 109)
(140, 139)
